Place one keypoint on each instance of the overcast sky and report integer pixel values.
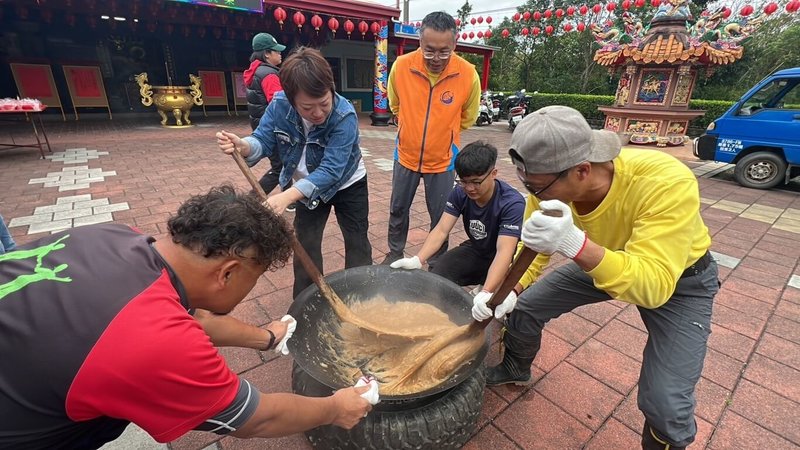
(419, 8)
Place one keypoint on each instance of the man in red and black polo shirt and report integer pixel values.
(97, 331)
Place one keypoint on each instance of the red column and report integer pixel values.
(487, 57)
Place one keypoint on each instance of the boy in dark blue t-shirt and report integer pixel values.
(492, 214)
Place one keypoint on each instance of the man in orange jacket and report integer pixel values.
(435, 94)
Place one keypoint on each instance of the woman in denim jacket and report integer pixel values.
(315, 132)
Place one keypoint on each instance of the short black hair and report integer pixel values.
(475, 159)
(224, 222)
(439, 21)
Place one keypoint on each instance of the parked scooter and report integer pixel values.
(516, 114)
(495, 110)
(484, 115)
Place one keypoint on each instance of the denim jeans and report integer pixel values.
(677, 338)
(351, 206)
(6, 241)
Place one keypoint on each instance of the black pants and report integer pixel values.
(464, 265)
(351, 206)
(270, 179)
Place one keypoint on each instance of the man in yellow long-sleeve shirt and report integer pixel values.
(630, 221)
(435, 94)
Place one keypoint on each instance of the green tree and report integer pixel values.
(463, 14)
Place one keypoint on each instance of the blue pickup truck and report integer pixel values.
(760, 134)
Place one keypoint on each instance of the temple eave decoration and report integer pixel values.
(659, 66)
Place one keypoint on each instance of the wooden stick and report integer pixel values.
(426, 352)
(339, 306)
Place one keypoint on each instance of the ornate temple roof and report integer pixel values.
(673, 38)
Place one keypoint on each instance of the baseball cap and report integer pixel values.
(265, 41)
(556, 138)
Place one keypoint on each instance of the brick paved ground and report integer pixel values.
(133, 171)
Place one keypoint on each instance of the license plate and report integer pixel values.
(516, 119)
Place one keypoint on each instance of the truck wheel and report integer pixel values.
(760, 170)
(446, 423)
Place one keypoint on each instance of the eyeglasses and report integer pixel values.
(440, 55)
(537, 192)
(475, 184)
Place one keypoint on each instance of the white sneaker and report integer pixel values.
(291, 208)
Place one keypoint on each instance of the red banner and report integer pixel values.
(85, 82)
(213, 85)
(35, 81)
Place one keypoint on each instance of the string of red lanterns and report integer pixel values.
(792, 6)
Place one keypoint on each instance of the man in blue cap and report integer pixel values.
(262, 82)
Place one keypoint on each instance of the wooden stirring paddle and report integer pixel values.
(421, 354)
(339, 307)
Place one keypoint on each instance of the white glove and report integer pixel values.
(371, 395)
(282, 348)
(481, 311)
(549, 234)
(407, 263)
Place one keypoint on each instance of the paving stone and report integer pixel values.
(114, 207)
(28, 220)
(134, 438)
(73, 213)
(736, 432)
(73, 199)
(93, 219)
(50, 226)
(90, 203)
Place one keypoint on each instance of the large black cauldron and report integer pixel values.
(443, 417)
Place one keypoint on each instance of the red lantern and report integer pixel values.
(559, 13)
(505, 33)
(726, 12)
(489, 20)
(567, 27)
(585, 9)
(516, 17)
(626, 5)
(488, 34)
(536, 31)
(471, 35)
(375, 27)
(611, 6)
(638, 3)
(363, 27)
(463, 36)
(280, 16)
(333, 24)
(472, 21)
(480, 35)
(299, 19)
(525, 32)
(655, 3)
(793, 6)
(597, 8)
(548, 14)
(316, 22)
(349, 27)
(746, 11)
(770, 8)
(526, 16)
(581, 27)
(537, 16)
(548, 29)
(458, 22)
(480, 19)
(570, 11)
